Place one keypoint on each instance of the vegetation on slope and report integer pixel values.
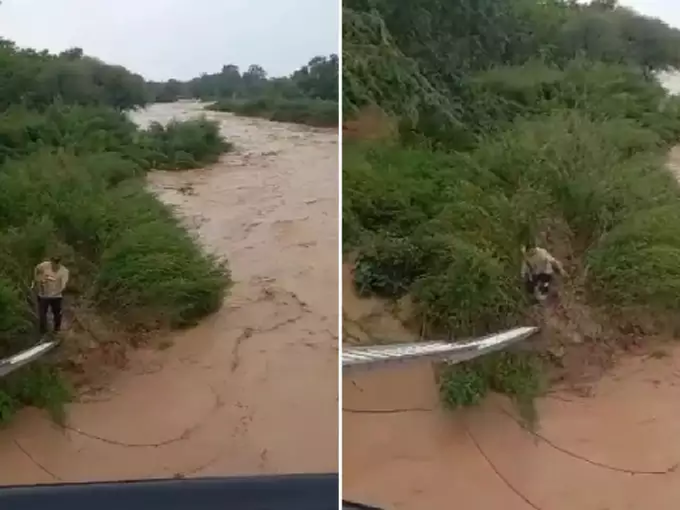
(516, 124)
(71, 182)
(312, 112)
(307, 96)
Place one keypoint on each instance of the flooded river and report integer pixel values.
(615, 449)
(252, 389)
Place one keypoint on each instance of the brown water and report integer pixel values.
(253, 389)
(617, 449)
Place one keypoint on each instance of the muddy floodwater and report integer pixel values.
(615, 449)
(252, 389)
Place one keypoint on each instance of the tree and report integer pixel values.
(72, 54)
(319, 78)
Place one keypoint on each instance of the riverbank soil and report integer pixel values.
(253, 388)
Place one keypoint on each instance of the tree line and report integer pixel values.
(36, 79)
(318, 79)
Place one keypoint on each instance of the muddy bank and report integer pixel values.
(253, 389)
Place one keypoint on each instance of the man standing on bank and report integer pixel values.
(51, 278)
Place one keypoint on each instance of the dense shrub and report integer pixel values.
(313, 112)
(517, 375)
(448, 229)
(83, 130)
(180, 145)
(154, 265)
(637, 262)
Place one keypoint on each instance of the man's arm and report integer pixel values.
(557, 265)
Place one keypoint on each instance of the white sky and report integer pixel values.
(162, 39)
(667, 10)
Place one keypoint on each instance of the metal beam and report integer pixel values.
(10, 364)
(451, 352)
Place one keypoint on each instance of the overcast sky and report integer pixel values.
(162, 39)
(667, 10)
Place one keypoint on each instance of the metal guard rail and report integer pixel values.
(452, 352)
(354, 357)
(11, 363)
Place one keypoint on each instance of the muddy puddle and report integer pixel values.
(253, 389)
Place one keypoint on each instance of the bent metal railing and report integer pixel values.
(355, 357)
(451, 352)
(11, 363)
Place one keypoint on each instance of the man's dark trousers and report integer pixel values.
(52, 304)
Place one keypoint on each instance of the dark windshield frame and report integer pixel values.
(278, 492)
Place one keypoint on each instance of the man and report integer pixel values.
(50, 279)
(539, 266)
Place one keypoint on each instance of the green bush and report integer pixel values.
(517, 374)
(39, 385)
(601, 91)
(183, 144)
(84, 130)
(16, 322)
(149, 263)
(448, 229)
(638, 262)
(80, 129)
(312, 112)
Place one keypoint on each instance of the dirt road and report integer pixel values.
(253, 389)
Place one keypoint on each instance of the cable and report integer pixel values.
(592, 462)
(538, 436)
(390, 411)
(499, 474)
